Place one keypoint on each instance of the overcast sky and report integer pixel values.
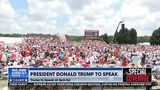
(74, 16)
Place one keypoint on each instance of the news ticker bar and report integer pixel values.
(79, 75)
(106, 84)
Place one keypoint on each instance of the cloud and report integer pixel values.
(102, 16)
(133, 9)
(42, 15)
(154, 6)
(77, 4)
(7, 15)
(74, 16)
(6, 11)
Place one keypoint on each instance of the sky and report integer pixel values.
(74, 16)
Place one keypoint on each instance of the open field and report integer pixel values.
(3, 83)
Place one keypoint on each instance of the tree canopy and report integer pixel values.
(105, 38)
(125, 36)
(155, 38)
(133, 36)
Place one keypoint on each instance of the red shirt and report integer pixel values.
(65, 58)
(101, 60)
(13, 56)
(77, 54)
(0, 55)
(124, 62)
(116, 54)
(27, 52)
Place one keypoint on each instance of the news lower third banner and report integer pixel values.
(79, 75)
(72, 75)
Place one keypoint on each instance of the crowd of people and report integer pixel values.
(51, 52)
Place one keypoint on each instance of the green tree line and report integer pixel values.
(26, 35)
(124, 36)
(155, 38)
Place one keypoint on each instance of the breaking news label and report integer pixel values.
(137, 74)
(80, 76)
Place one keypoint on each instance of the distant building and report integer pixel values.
(91, 34)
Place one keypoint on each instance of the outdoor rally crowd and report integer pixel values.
(51, 52)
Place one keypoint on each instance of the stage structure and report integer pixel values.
(91, 35)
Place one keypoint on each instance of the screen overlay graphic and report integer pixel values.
(79, 75)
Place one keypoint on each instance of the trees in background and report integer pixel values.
(133, 36)
(27, 35)
(155, 38)
(115, 37)
(105, 38)
(126, 36)
(142, 39)
(123, 36)
(74, 38)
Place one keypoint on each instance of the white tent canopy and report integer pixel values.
(10, 40)
(145, 43)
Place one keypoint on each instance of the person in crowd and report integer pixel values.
(51, 52)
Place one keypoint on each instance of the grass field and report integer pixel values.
(3, 83)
